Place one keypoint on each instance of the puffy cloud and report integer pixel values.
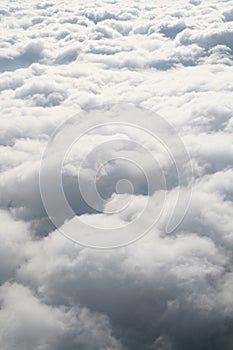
(49, 327)
(143, 289)
(14, 235)
(167, 291)
(31, 53)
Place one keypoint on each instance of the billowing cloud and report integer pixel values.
(168, 290)
(49, 327)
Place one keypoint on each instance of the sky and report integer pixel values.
(116, 178)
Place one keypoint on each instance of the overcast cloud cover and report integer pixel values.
(166, 291)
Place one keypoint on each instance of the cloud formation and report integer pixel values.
(165, 291)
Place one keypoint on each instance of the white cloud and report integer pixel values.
(165, 292)
(49, 327)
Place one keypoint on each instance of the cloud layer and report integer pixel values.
(166, 291)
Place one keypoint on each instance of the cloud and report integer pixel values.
(167, 291)
(42, 94)
(49, 327)
(207, 39)
(31, 53)
(154, 283)
(228, 15)
(14, 235)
